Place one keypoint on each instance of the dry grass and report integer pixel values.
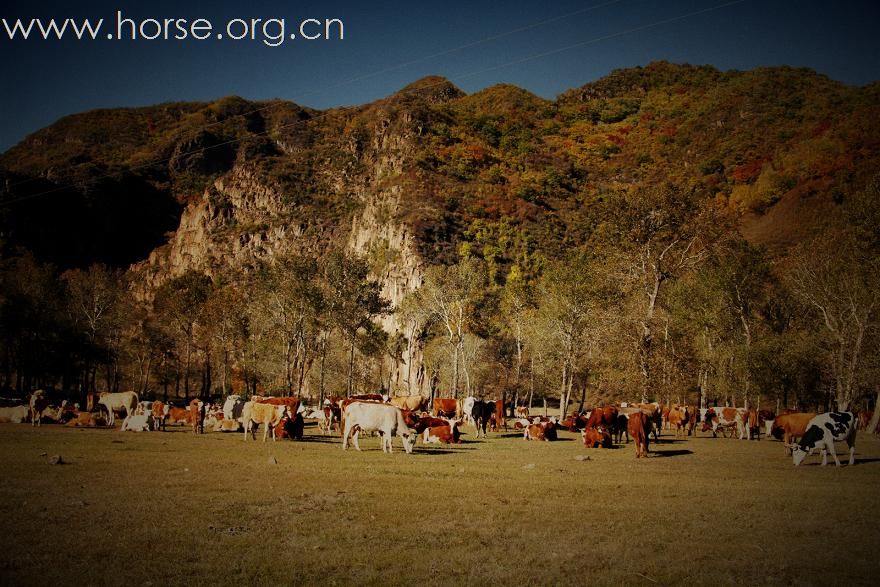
(173, 508)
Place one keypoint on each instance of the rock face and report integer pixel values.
(247, 215)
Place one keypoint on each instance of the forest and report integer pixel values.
(669, 233)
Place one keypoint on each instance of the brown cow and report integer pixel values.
(678, 417)
(415, 403)
(446, 407)
(596, 437)
(639, 429)
(790, 427)
(540, 431)
(446, 434)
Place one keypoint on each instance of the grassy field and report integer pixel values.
(175, 508)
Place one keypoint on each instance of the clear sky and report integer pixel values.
(545, 47)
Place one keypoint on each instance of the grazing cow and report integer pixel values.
(822, 432)
(385, 419)
(639, 428)
(791, 427)
(256, 413)
(117, 402)
(15, 414)
(414, 403)
(38, 404)
(540, 431)
(521, 412)
(596, 437)
(137, 423)
(481, 412)
(678, 417)
(447, 407)
(725, 419)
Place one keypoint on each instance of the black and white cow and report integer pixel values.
(822, 432)
(481, 413)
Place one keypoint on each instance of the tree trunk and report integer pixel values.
(872, 425)
(351, 369)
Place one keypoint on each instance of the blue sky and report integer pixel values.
(555, 46)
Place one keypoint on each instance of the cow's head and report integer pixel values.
(409, 439)
(797, 454)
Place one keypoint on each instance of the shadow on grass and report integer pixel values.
(420, 450)
(672, 453)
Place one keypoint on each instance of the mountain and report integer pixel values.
(413, 178)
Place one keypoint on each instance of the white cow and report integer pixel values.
(15, 414)
(467, 408)
(117, 402)
(822, 432)
(38, 404)
(385, 419)
(233, 407)
(137, 423)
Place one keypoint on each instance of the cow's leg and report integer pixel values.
(833, 453)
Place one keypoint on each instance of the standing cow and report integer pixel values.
(126, 401)
(385, 419)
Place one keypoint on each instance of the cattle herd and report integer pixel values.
(408, 417)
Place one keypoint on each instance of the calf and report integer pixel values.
(596, 437)
(822, 432)
(443, 434)
(137, 423)
(540, 431)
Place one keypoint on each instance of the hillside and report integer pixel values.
(429, 175)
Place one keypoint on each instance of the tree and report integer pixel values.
(663, 233)
(570, 295)
(179, 304)
(352, 301)
(448, 295)
(94, 299)
(836, 275)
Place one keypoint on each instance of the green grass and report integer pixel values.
(174, 508)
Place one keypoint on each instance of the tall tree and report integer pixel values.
(449, 294)
(179, 304)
